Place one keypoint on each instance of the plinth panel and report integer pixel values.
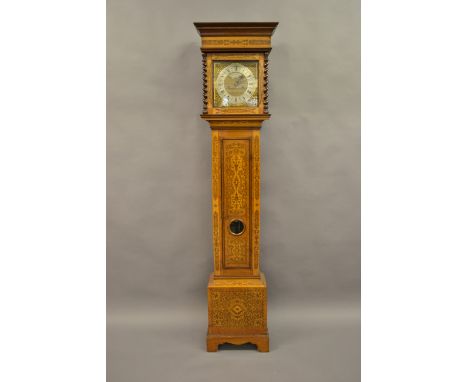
(237, 305)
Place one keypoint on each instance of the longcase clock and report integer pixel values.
(235, 104)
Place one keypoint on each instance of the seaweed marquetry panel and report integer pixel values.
(237, 307)
(236, 201)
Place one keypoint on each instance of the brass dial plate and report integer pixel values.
(235, 84)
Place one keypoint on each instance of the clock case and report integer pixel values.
(237, 290)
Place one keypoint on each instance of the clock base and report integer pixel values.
(237, 312)
(262, 341)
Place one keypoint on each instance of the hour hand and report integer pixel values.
(237, 82)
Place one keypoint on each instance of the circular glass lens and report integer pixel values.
(236, 227)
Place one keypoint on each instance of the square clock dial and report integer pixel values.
(235, 83)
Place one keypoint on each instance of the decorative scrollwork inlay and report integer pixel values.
(215, 167)
(237, 251)
(256, 165)
(237, 307)
(236, 176)
(216, 246)
(236, 200)
(256, 235)
(236, 42)
(256, 197)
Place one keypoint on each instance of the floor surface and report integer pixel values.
(319, 344)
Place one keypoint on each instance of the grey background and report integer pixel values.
(159, 227)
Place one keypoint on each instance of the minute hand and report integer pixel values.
(237, 82)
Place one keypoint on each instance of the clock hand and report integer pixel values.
(237, 82)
